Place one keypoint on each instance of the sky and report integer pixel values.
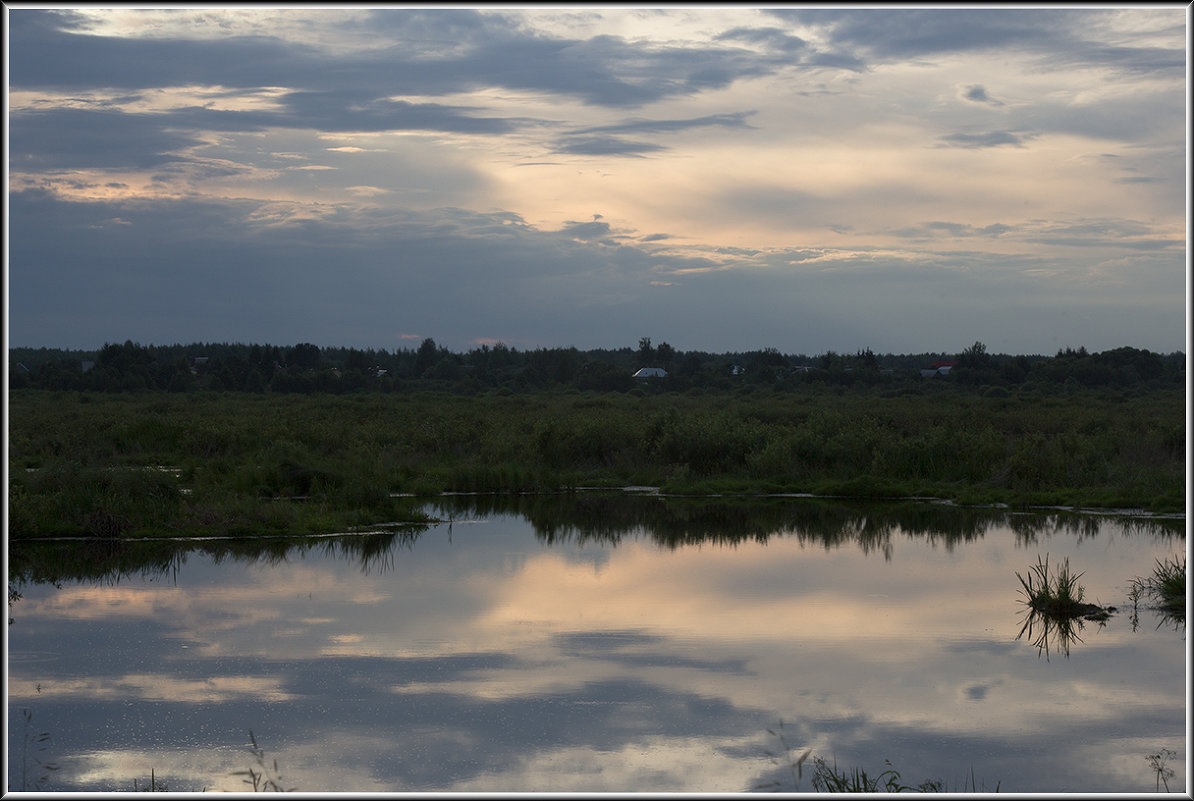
(720, 178)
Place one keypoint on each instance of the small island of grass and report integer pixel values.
(1059, 596)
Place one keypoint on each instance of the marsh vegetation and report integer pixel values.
(112, 465)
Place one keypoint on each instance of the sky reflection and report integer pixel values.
(484, 658)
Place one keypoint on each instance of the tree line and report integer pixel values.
(308, 368)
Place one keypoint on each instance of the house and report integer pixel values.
(938, 368)
(651, 372)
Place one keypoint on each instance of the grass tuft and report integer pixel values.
(266, 779)
(1165, 588)
(1058, 595)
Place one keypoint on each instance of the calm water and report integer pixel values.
(603, 644)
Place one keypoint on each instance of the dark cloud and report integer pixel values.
(731, 120)
(989, 139)
(907, 33)
(587, 231)
(773, 38)
(342, 111)
(605, 146)
(978, 94)
(42, 55)
(933, 229)
(787, 50)
(86, 138)
(460, 51)
(1054, 36)
(83, 138)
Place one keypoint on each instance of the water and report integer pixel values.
(604, 644)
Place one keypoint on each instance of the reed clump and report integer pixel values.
(1057, 595)
(1166, 587)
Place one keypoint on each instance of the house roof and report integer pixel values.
(651, 372)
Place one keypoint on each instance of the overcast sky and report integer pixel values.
(721, 179)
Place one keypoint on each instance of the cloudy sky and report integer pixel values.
(717, 178)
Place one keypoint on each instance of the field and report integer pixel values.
(109, 464)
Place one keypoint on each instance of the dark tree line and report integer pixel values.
(308, 368)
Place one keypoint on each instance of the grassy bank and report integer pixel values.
(121, 464)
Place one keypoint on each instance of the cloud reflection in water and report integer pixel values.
(641, 659)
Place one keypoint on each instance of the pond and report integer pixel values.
(599, 642)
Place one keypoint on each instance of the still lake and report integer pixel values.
(601, 642)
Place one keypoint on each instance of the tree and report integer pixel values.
(426, 356)
(829, 361)
(304, 355)
(974, 356)
(646, 353)
(868, 359)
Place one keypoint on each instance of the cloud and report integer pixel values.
(586, 231)
(460, 51)
(774, 39)
(978, 94)
(934, 229)
(344, 163)
(908, 33)
(989, 139)
(77, 138)
(1054, 37)
(605, 146)
(731, 120)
